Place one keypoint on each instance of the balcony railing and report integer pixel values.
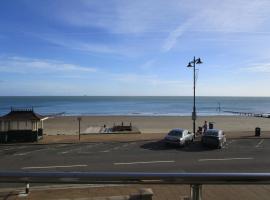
(195, 180)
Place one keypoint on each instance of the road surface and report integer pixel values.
(238, 155)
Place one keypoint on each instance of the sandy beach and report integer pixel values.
(68, 125)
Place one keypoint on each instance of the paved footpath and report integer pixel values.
(161, 192)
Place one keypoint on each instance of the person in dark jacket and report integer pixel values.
(205, 127)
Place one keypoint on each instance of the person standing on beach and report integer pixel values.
(205, 127)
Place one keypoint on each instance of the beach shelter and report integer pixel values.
(21, 125)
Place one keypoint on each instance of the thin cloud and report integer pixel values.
(120, 16)
(148, 64)
(90, 47)
(40, 66)
(129, 78)
(259, 68)
(222, 18)
(173, 37)
(82, 46)
(166, 20)
(153, 80)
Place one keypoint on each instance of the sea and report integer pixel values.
(135, 105)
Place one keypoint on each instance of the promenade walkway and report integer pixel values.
(161, 192)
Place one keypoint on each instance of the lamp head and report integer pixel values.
(189, 65)
(198, 61)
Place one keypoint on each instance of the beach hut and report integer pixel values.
(21, 125)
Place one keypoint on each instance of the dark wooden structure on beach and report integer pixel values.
(21, 125)
(121, 127)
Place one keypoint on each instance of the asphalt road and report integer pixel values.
(238, 155)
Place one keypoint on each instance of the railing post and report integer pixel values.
(146, 193)
(27, 189)
(196, 192)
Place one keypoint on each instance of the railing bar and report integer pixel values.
(135, 178)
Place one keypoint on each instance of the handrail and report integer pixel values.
(134, 178)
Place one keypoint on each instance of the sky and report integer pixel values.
(134, 48)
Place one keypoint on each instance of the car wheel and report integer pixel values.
(220, 145)
(184, 144)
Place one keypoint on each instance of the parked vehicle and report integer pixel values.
(179, 137)
(214, 138)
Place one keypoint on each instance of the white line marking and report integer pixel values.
(28, 152)
(60, 166)
(226, 146)
(110, 149)
(125, 145)
(116, 148)
(149, 162)
(12, 148)
(71, 150)
(79, 149)
(259, 144)
(106, 151)
(230, 142)
(223, 159)
(20, 154)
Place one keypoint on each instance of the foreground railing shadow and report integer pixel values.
(195, 180)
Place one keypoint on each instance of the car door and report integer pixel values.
(190, 137)
(185, 136)
(223, 137)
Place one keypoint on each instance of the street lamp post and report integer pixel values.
(194, 114)
(79, 120)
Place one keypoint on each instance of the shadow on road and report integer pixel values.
(160, 145)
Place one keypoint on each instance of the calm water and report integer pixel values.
(159, 106)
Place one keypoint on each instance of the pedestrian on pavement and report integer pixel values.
(205, 127)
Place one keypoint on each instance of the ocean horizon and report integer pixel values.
(135, 105)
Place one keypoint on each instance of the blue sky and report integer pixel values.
(124, 47)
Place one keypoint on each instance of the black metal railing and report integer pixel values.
(195, 180)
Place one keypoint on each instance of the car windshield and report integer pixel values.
(175, 133)
(211, 133)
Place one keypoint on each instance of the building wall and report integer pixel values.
(4, 126)
(13, 125)
(25, 125)
(20, 125)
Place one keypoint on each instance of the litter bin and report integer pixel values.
(211, 125)
(257, 131)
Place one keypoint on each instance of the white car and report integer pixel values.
(179, 137)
